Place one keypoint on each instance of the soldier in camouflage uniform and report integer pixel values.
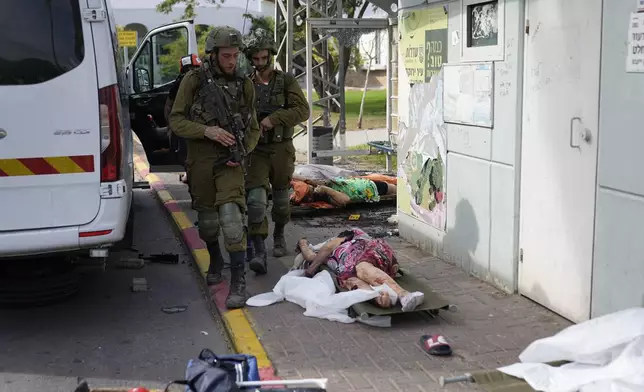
(280, 105)
(216, 180)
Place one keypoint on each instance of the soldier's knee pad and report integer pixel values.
(208, 225)
(256, 202)
(281, 201)
(232, 223)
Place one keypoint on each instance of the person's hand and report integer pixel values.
(232, 164)
(266, 124)
(383, 300)
(220, 136)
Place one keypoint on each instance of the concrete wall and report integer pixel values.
(619, 249)
(355, 79)
(482, 170)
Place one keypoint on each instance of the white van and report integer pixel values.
(66, 166)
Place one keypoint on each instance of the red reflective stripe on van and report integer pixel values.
(85, 162)
(86, 234)
(38, 166)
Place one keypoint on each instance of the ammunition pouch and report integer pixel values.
(276, 135)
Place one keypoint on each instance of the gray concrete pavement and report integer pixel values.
(488, 330)
(109, 334)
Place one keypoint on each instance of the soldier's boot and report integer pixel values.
(216, 266)
(279, 242)
(237, 295)
(258, 262)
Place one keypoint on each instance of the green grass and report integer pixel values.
(375, 109)
(373, 161)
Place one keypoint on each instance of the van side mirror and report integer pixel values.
(143, 79)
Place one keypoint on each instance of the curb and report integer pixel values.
(243, 337)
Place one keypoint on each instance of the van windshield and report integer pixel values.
(39, 40)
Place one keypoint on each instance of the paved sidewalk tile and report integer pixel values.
(489, 329)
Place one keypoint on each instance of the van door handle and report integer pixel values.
(3, 134)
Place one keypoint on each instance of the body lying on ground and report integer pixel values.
(340, 191)
(360, 262)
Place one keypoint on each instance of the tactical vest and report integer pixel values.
(269, 98)
(233, 91)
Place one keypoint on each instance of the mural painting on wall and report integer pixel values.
(424, 42)
(422, 145)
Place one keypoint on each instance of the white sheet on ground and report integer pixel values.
(318, 296)
(322, 172)
(606, 355)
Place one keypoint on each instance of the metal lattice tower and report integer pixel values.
(324, 20)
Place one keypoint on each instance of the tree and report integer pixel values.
(165, 6)
(171, 54)
(369, 50)
(352, 9)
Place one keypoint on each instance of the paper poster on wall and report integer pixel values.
(422, 149)
(635, 51)
(424, 42)
(468, 94)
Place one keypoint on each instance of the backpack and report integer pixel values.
(212, 373)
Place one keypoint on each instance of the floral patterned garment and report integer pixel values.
(359, 190)
(360, 247)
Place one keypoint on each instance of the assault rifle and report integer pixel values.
(231, 122)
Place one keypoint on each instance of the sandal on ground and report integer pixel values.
(435, 345)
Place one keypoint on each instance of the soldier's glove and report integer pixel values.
(220, 136)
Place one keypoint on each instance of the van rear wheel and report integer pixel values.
(37, 282)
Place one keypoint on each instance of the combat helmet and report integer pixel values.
(257, 40)
(223, 37)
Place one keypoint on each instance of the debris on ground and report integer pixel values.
(386, 233)
(162, 258)
(174, 309)
(139, 285)
(369, 216)
(129, 264)
(442, 381)
(354, 217)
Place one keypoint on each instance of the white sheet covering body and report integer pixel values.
(606, 355)
(318, 297)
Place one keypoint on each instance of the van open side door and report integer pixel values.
(151, 73)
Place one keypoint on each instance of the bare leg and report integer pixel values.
(338, 198)
(383, 301)
(374, 276)
(356, 283)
